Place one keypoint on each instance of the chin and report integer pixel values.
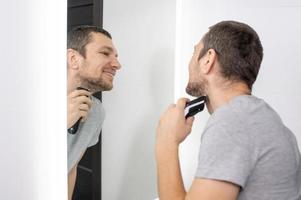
(103, 85)
(107, 87)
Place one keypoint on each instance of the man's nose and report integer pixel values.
(115, 63)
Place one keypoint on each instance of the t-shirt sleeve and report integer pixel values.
(226, 154)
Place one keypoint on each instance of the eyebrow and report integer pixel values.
(109, 49)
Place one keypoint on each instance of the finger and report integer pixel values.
(170, 106)
(189, 121)
(77, 93)
(84, 100)
(83, 114)
(182, 102)
(83, 119)
(84, 107)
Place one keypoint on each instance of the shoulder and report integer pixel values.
(243, 111)
(234, 120)
(96, 101)
(97, 108)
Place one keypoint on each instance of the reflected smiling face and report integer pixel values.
(197, 83)
(100, 64)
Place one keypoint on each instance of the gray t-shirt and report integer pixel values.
(246, 143)
(87, 133)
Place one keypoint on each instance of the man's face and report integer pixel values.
(100, 64)
(197, 83)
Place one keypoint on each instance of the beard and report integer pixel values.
(95, 84)
(196, 89)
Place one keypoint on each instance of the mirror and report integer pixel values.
(88, 181)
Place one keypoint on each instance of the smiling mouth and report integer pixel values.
(110, 73)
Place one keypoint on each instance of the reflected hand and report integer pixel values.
(78, 105)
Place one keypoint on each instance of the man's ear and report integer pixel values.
(73, 59)
(209, 61)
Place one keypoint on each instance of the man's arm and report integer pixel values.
(72, 178)
(71, 181)
(209, 189)
(173, 128)
(170, 182)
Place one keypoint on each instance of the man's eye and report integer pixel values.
(105, 53)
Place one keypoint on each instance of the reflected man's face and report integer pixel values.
(197, 83)
(100, 64)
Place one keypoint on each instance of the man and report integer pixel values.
(92, 64)
(246, 152)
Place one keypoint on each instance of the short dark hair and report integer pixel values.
(239, 50)
(80, 36)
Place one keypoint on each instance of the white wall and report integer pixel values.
(144, 33)
(278, 25)
(33, 100)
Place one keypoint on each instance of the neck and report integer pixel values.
(72, 82)
(223, 95)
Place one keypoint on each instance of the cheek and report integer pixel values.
(101, 65)
(95, 68)
(192, 69)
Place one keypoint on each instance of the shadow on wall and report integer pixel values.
(139, 171)
(140, 168)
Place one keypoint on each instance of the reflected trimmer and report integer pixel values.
(73, 129)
